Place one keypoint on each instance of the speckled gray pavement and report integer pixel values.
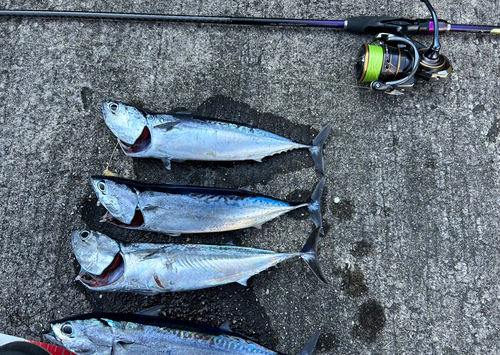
(412, 200)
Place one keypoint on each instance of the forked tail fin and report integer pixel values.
(310, 255)
(316, 148)
(308, 349)
(314, 205)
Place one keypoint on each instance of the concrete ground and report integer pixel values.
(411, 204)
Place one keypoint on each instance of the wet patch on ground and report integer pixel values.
(235, 174)
(493, 132)
(431, 163)
(327, 342)
(361, 249)
(86, 96)
(353, 280)
(371, 321)
(381, 210)
(343, 210)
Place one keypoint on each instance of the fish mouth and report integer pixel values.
(109, 276)
(137, 220)
(53, 338)
(140, 144)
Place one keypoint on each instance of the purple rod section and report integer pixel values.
(473, 28)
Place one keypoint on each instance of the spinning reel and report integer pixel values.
(393, 60)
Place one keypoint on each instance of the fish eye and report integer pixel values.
(101, 185)
(113, 107)
(67, 328)
(84, 234)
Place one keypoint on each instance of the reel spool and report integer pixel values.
(392, 64)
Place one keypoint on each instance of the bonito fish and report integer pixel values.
(181, 136)
(178, 209)
(145, 268)
(132, 334)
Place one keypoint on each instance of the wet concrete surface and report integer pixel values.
(410, 208)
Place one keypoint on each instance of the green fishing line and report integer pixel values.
(375, 57)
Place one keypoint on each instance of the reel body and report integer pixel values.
(393, 60)
(392, 64)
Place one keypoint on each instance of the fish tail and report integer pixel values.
(314, 205)
(309, 254)
(308, 349)
(316, 148)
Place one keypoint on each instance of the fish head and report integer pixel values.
(117, 197)
(85, 337)
(100, 259)
(128, 124)
(93, 250)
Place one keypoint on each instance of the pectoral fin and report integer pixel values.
(149, 208)
(167, 163)
(151, 311)
(153, 254)
(123, 347)
(167, 126)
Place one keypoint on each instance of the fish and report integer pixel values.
(149, 269)
(127, 334)
(181, 136)
(178, 209)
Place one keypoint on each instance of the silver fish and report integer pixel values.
(131, 334)
(178, 209)
(145, 268)
(182, 136)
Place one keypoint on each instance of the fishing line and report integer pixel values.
(108, 172)
(184, 63)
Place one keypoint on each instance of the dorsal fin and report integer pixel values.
(225, 326)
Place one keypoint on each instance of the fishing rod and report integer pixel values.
(389, 64)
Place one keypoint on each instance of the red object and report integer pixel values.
(53, 349)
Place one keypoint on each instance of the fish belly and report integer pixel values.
(218, 141)
(197, 213)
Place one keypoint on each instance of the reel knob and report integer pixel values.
(433, 69)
